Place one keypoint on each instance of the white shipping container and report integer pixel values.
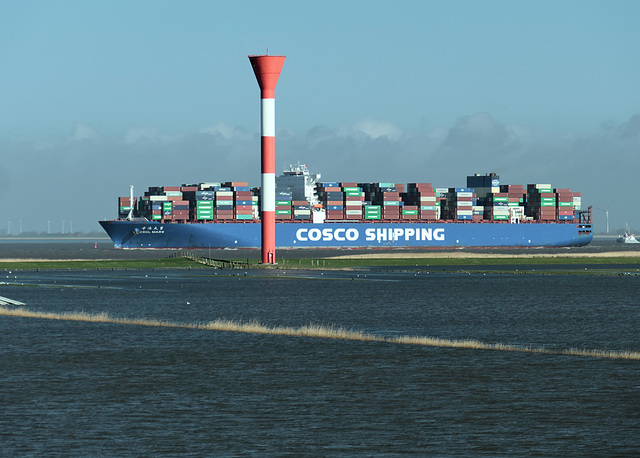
(353, 203)
(465, 203)
(353, 212)
(158, 198)
(208, 185)
(464, 212)
(224, 193)
(464, 194)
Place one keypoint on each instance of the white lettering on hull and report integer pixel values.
(384, 234)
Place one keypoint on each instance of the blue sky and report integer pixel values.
(99, 95)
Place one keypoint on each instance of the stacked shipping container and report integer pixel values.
(484, 199)
(425, 198)
(332, 198)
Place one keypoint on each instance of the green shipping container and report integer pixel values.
(501, 217)
(565, 204)
(351, 189)
(409, 212)
(283, 212)
(372, 216)
(244, 216)
(354, 193)
(283, 202)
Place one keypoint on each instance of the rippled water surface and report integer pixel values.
(78, 388)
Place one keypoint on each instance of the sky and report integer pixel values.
(96, 96)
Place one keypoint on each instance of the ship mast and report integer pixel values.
(130, 215)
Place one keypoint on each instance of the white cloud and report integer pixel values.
(226, 131)
(375, 129)
(82, 132)
(146, 135)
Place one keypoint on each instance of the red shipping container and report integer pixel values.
(428, 214)
(335, 214)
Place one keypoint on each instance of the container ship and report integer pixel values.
(311, 213)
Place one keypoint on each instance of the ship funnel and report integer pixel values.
(267, 70)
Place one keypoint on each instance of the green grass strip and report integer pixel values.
(101, 264)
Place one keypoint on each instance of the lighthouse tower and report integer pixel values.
(267, 69)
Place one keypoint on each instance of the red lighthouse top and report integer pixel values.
(267, 69)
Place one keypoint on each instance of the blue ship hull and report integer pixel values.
(147, 234)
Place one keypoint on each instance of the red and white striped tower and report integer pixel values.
(267, 69)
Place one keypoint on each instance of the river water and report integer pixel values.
(74, 388)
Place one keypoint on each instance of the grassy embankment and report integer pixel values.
(97, 264)
(558, 263)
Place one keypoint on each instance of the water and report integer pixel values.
(77, 388)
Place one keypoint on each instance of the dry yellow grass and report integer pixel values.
(313, 331)
(475, 255)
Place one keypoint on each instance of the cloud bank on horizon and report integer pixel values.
(78, 177)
